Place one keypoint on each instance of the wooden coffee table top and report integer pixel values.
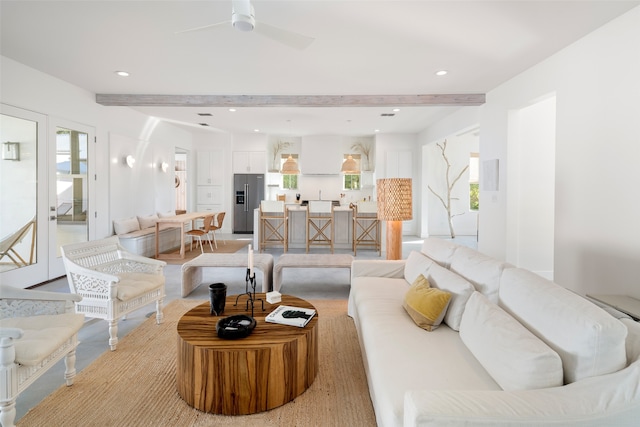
(267, 369)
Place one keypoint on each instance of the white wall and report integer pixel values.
(597, 232)
(30, 89)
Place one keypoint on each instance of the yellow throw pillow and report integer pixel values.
(426, 305)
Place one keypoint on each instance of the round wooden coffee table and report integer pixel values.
(267, 369)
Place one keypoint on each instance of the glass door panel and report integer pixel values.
(70, 197)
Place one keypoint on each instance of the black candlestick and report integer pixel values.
(250, 280)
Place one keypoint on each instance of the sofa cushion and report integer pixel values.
(124, 226)
(481, 270)
(132, 285)
(42, 335)
(459, 288)
(416, 265)
(147, 221)
(167, 214)
(426, 305)
(590, 342)
(513, 356)
(439, 250)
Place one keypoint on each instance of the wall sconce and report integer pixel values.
(350, 166)
(11, 151)
(129, 161)
(164, 166)
(394, 206)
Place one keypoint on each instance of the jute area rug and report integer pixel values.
(136, 385)
(231, 246)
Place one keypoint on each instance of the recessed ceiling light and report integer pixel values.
(396, 110)
(441, 73)
(233, 110)
(256, 130)
(122, 73)
(377, 130)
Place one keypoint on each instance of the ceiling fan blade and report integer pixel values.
(289, 38)
(204, 27)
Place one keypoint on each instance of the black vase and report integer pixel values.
(217, 298)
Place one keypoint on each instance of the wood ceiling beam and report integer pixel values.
(124, 100)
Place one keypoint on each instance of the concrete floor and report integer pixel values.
(304, 283)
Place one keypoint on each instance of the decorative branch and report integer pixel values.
(446, 200)
(365, 149)
(277, 148)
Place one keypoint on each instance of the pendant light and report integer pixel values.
(290, 167)
(350, 166)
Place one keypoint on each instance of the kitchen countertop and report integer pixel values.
(297, 208)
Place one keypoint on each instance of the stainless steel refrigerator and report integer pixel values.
(248, 192)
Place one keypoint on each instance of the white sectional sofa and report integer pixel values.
(513, 348)
(138, 234)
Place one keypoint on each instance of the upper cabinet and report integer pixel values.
(249, 162)
(321, 155)
(210, 167)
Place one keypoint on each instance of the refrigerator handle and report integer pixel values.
(246, 197)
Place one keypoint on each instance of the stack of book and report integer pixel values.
(292, 316)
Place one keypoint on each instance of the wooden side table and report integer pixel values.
(267, 369)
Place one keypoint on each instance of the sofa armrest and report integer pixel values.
(612, 399)
(378, 268)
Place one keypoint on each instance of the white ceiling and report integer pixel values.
(360, 48)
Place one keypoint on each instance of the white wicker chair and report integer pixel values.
(37, 329)
(112, 281)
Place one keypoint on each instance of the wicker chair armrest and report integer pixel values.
(13, 333)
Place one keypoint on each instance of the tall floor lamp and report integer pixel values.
(394, 206)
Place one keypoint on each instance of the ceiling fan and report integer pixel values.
(243, 19)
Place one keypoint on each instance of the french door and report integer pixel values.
(44, 193)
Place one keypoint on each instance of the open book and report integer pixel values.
(292, 316)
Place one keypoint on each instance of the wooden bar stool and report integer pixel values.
(320, 224)
(273, 224)
(366, 227)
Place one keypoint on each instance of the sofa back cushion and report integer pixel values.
(416, 265)
(481, 270)
(439, 250)
(459, 288)
(514, 357)
(590, 341)
(124, 226)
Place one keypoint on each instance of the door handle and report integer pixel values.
(53, 218)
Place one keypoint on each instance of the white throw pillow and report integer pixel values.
(460, 290)
(166, 214)
(514, 357)
(590, 341)
(125, 226)
(416, 265)
(147, 221)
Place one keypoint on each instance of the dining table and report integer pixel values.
(181, 221)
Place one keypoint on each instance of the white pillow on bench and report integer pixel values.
(124, 226)
(148, 221)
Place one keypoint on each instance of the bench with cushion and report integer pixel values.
(112, 281)
(138, 234)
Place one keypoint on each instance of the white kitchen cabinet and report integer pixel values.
(249, 162)
(209, 194)
(210, 167)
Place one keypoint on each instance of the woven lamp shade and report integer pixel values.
(350, 166)
(394, 199)
(290, 167)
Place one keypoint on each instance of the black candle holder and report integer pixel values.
(250, 292)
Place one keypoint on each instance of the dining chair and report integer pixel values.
(199, 232)
(217, 225)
